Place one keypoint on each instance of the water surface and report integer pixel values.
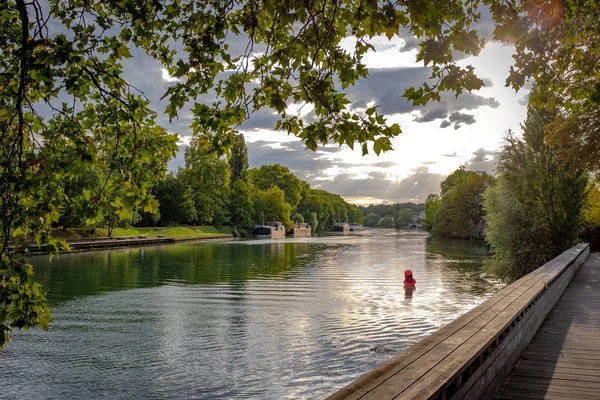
(253, 319)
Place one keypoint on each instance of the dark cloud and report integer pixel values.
(264, 118)
(386, 86)
(449, 104)
(483, 160)
(436, 113)
(415, 187)
(410, 41)
(306, 164)
(461, 118)
(487, 82)
(329, 149)
(458, 118)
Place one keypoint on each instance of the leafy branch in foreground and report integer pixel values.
(65, 105)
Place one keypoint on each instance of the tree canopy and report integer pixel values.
(207, 176)
(534, 212)
(459, 213)
(65, 103)
(238, 161)
(268, 176)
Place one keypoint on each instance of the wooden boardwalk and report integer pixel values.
(563, 359)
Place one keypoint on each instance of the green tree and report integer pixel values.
(241, 205)
(386, 222)
(63, 89)
(355, 216)
(176, 204)
(238, 161)
(403, 218)
(298, 218)
(268, 176)
(381, 210)
(207, 176)
(77, 208)
(534, 211)
(432, 205)
(460, 213)
(270, 205)
(371, 219)
(313, 220)
(314, 202)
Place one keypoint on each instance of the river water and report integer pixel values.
(249, 319)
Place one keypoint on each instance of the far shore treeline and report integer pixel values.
(539, 204)
(72, 119)
(211, 190)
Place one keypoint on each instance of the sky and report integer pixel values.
(437, 138)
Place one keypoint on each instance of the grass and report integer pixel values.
(175, 231)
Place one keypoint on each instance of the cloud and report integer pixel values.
(436, 113)
(305, 164)
(415, 187)
(453, 155)
(265, 118)
(457, 118)
(385, 87)
(461, 118)
(524, 100)
(487, 82)
(483, 160)
(450, 104)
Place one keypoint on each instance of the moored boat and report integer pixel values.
(341, 227)
(301, 230)
(270, 230)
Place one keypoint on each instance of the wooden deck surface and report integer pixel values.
(563, 359)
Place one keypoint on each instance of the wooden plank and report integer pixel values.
(557, 383)
(428, 367)
(537, 394)
(564, 359)
(551, 373)
(451, 366)
(372, 381)
(495, 377)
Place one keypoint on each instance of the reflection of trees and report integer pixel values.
(82, 274)
(460, 263)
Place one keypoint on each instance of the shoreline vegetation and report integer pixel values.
(84, 147)
(97, 239)
(171, 231)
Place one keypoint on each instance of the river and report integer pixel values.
(249, 319)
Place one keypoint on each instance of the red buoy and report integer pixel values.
(408, 278)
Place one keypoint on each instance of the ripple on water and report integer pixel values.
(290, 320)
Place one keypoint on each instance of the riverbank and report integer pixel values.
(97, 239)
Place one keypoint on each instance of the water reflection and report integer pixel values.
(283, 319)
(90, 273)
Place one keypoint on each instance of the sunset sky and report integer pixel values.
(436, 139)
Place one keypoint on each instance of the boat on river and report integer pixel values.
(341, 227)
(356, 228)
(301, 230)
(270, 230)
